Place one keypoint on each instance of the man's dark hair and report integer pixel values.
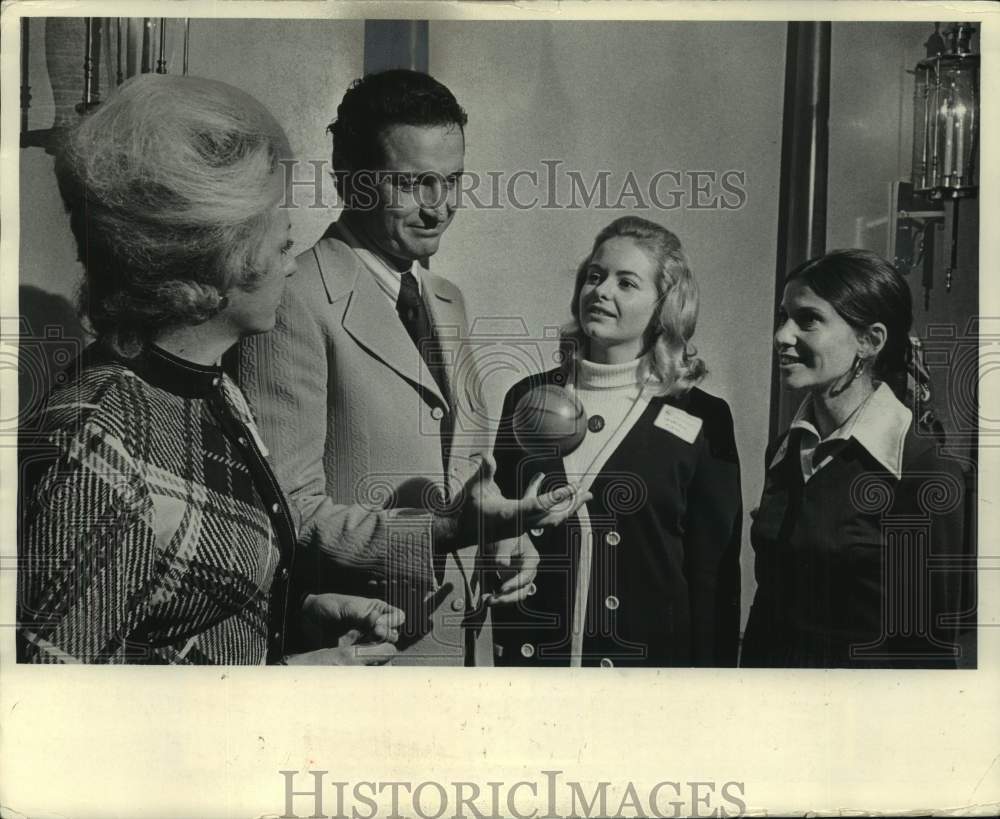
(376, 102)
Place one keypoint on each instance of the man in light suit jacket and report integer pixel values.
(368, 397)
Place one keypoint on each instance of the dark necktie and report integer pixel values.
(413, 313)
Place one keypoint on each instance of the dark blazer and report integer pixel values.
(857, 568)
(666, 524)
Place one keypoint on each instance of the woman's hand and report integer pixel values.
(362, 630)
(338, 615)
(363, 654)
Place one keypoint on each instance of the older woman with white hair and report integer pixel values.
(152, 527)
(647, 572)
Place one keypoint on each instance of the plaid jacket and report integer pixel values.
(151, 528)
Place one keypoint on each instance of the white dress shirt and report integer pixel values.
(385, 274)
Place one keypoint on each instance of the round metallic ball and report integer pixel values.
(549, 419)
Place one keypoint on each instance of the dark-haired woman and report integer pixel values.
(647, 572)
(152, 529)
(857, 506)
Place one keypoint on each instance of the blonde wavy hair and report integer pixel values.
(669, 362)
(170, 186)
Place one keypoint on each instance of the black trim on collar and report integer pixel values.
(177, 375)
(163, 370)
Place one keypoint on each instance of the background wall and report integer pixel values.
(308, 68)
(557, 91)
(620, 98)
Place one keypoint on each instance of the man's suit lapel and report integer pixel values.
(370, 319)
(448, 318)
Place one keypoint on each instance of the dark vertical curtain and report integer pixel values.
(804, 159)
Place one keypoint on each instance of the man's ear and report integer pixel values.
(872, 339)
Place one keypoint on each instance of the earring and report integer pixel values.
(855, 371)
(859, 366)
(220, 305)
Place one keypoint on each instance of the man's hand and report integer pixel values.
(517, 564)
(362, 629)
(484, 515)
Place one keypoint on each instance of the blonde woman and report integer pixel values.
(647, 572)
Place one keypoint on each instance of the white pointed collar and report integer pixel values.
(880, 425)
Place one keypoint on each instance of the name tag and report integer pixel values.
(677, 422)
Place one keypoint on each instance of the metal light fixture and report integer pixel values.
(946, 119)
(945, 144)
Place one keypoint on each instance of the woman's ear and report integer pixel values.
(873, 339)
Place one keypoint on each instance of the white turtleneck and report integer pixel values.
(608, 391)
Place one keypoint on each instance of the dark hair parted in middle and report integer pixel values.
(378, 101)
(865, 289)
